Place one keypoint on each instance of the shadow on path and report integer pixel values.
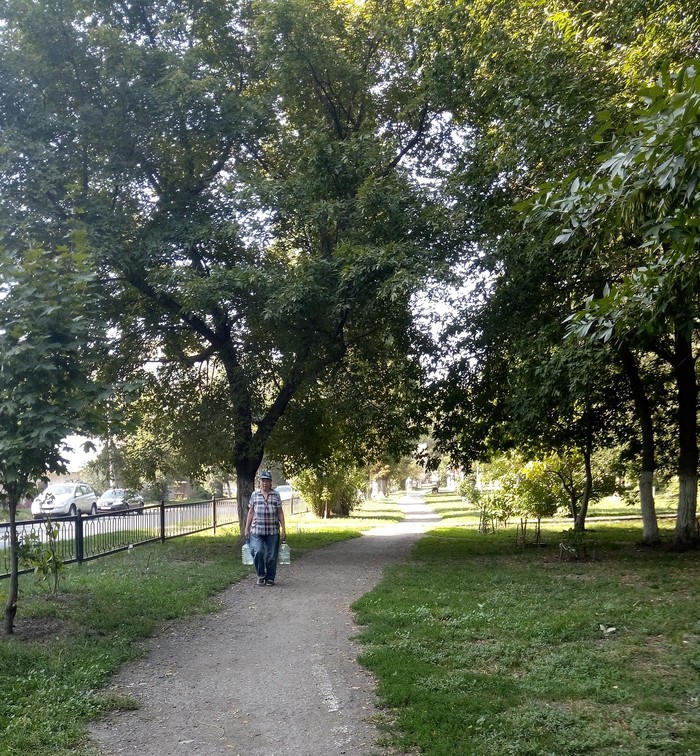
(274, 673)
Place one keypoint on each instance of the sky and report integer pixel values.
(77, 459)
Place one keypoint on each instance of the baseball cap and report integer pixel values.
(265, 475)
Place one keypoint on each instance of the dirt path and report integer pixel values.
(274, 673)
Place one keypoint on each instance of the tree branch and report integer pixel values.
(215, 338)
(412, 142)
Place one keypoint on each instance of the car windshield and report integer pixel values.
(284, 489)
(112, 493)
(59, 489)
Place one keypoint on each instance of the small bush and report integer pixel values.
(41, 555)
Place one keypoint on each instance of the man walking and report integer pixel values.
(264, 525)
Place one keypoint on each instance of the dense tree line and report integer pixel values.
(556, 98)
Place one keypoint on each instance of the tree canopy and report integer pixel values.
(541, 83)
(239, 180)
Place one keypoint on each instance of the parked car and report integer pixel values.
(120, 500)
(62, 499)
(285, 491)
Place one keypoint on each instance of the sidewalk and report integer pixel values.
(274, 673)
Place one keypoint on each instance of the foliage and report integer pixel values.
(48, 354)
(497, 507)
(470, 491)
(407, 467)
(531, 489)
(644, 189)
(49, 349)
(536, 495)
(265, 187)
(533, 79)
(334, 490)
(369, 407)
(640, 207)
(242, 191)
(40, 552)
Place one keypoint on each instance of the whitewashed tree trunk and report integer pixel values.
(650, 525)
(686, 523)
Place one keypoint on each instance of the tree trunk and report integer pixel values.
(245, 485)
(580, 522)
(686, 533)
(570, 489)
(13, 588)
(249, 445)
(650, 525)
(381, 486)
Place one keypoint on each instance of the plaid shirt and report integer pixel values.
(265, 513)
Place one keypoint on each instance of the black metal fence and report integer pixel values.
(82, 538)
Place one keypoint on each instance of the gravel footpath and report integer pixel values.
(275, 672)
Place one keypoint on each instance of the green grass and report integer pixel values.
(478, 647)
(483, 648)
(371, 514)
(451, 506)
(53, 672)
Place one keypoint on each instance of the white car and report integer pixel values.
(61, 499)
(286, 492)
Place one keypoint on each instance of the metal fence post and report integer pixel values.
(79, 541)
(162, 521)
(213, 512)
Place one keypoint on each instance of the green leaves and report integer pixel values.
(644, 191)
(234, 172)
(48, 344)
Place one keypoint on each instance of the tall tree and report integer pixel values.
(533, 77)
(238, 167)
(48, 351)
(641, 206)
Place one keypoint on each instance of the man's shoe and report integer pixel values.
(261, 581)
(269, 582)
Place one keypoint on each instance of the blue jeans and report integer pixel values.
(264, 549)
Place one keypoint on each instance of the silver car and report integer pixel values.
(64, 499)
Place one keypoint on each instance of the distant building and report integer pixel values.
(181, 489)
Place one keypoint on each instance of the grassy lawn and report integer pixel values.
(66, 647)
(479, 647)
(483, 648)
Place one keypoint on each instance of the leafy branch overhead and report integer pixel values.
(643, 195)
